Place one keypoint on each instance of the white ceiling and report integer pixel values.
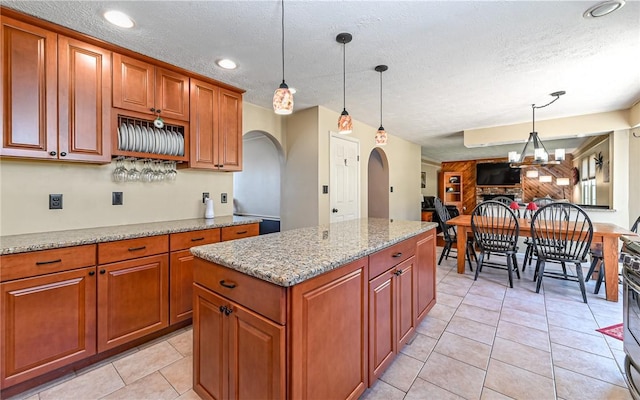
(453, 65)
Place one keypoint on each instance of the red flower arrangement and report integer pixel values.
(514, 205)
(532, 206)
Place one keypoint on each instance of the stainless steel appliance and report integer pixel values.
(631, 307)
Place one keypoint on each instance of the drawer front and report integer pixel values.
(185, 240)
(239, 231)
(384, 259)
(263, 297)
(25, 265)
(132, 248)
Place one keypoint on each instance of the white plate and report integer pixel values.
(156, 140)
(138, 136)
(123, 136)
(174, 143)
(143, 139)
(131, 141)
(181, 143)
(163, 142)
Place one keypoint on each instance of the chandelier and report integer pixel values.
(540, 153)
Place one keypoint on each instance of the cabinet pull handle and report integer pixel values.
(228, 285)
(52, 153)
(63, 154)
(241, 232)
(92, 273)
(197, 239)
(48, 262)
(396, 255)
(137, 248)
(102, 272)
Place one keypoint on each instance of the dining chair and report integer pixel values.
(495, 230)
(503, 199)
(561, 232)
(597, 260)
(528, 214)
(449, 233)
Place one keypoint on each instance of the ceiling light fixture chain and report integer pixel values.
(381, 134)
(283, 98)
(345, 124)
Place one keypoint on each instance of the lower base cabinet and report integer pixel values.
(238, 353)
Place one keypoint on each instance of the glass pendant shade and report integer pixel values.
(283, 100)
(532, 173)
(562, 181)
(345, 125)
(381, 137)
(559, 155)
(546, 178)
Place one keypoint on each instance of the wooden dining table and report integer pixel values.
(606, 234)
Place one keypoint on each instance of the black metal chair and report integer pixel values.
(449, 233)
(503, 199)
(495, 230)
(528, 214)
(597, 259)
(561, 232)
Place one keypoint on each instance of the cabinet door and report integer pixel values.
(406, 305)
(47, 322)
(84, 101)
(133, 84)
(426, 274)
(256, 356)
(382, 326)
(181, 286)
(172, 94)
(29, 91)
(133, 299)
(210, 341)
(230, 141)
(328, 334)
(203, 126)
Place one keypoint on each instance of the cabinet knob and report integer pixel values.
(92, 273)
(63, 154)
(152, 109)
(102, 272)
(52, 153)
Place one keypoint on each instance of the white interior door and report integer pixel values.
(344, 185)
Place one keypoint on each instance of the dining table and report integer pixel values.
(606, 234)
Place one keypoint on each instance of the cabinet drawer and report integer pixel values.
(132, 248)
(260, 296)
(185, 240)
(25, 265)
(239, 231)
(384, 259)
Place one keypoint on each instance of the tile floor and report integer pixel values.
(482, 340)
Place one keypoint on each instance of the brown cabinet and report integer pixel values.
(239, 231)
(49, 320)
(144, 88)
(425, 274)
(238, 353)
(181, 271)
(133, 295)
(215, 128)
(56, 96)
(391, 314)
(450, 189)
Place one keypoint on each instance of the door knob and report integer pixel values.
(335, 210)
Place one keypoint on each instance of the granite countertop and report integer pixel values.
(290, 257)
(52, 240)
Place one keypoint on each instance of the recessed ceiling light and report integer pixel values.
(226, 63)
(604, 8)
(119, 18)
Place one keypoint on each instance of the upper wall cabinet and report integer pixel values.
(147, 89)
(216, 127)
(55, 96)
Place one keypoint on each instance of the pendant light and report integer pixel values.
(381, 134)
(345, 125)
(283, 98)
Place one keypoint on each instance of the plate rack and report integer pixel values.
(139, 138)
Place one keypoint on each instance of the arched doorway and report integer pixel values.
(378, 184)
(257, 188)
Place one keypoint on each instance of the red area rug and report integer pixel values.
(615, 331)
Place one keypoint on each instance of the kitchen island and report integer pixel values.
(316, 312)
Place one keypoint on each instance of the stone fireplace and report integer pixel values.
(490, 192)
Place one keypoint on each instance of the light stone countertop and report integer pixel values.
(52, 240)
(290, 257)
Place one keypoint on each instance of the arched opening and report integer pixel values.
(256, 189)
(378, 184)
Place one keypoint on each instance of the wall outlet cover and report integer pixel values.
(116, 198)
(223, 198)
(55, 202)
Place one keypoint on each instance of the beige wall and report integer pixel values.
(431, 170)
(633, 175)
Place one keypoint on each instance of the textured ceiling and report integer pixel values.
(452, 65)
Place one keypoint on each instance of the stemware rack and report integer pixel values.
(139, 138)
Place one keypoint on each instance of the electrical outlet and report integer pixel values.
(223, 198)
(205, 196)
(116, 198)
(55, 202)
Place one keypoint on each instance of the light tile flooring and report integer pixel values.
(482, 340)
